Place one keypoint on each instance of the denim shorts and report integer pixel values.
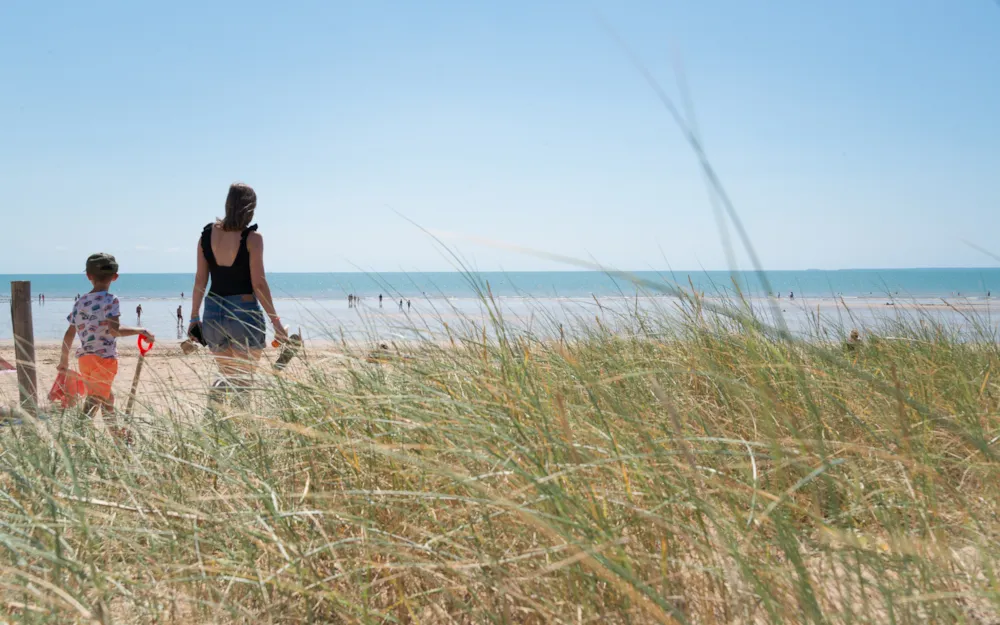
(233, 322)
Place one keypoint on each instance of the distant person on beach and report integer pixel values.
(380, 300)
(350, 300)
(95, 318)
(853, 341)
(407, 305)
(138, 314)
(180, 318)
(791, 295)
(230, 265)
(77, 297)
(400, 305)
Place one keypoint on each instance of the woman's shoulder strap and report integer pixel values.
(206, 244)
(244, 251)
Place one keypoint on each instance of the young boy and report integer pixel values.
(95, 319)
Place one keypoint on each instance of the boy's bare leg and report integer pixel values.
(111, 420)
(106, 405)
(91, 405)
(108, 410)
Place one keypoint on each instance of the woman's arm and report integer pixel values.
(255, 245)
(200, 283)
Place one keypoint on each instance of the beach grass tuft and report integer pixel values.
(692, 468)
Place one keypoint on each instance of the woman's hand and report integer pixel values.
(280, 334)
(194, 332)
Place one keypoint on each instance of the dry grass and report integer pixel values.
(700, 471)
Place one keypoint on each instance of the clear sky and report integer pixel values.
(857, 133)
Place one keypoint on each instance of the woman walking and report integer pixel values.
(230, 257)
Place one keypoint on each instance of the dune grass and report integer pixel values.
(692, 470)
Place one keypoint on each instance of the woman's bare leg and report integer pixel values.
(236, 366)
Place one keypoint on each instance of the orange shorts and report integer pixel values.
(98, 374)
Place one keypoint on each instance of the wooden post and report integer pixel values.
(24, 344)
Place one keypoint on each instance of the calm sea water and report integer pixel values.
(910, 283)
(317, 302)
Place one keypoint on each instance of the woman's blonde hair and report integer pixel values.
(240, 204)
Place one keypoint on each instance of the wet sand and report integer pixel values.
(332, 320)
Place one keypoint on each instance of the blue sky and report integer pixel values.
(849, 134)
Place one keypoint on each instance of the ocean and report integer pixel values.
(318, 301)
(910, 283)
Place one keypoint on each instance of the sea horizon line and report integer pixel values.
(532, 271)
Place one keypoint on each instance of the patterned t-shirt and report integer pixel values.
(90, 316)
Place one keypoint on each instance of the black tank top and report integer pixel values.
(232, 280)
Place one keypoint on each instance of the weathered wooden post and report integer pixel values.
(24, 344)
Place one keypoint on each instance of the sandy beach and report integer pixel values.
(169, 379)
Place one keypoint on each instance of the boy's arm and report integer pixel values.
(67, 345)
(117, 330)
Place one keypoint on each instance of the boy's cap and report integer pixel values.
(102, 264)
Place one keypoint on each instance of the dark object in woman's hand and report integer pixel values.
(194, 331)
